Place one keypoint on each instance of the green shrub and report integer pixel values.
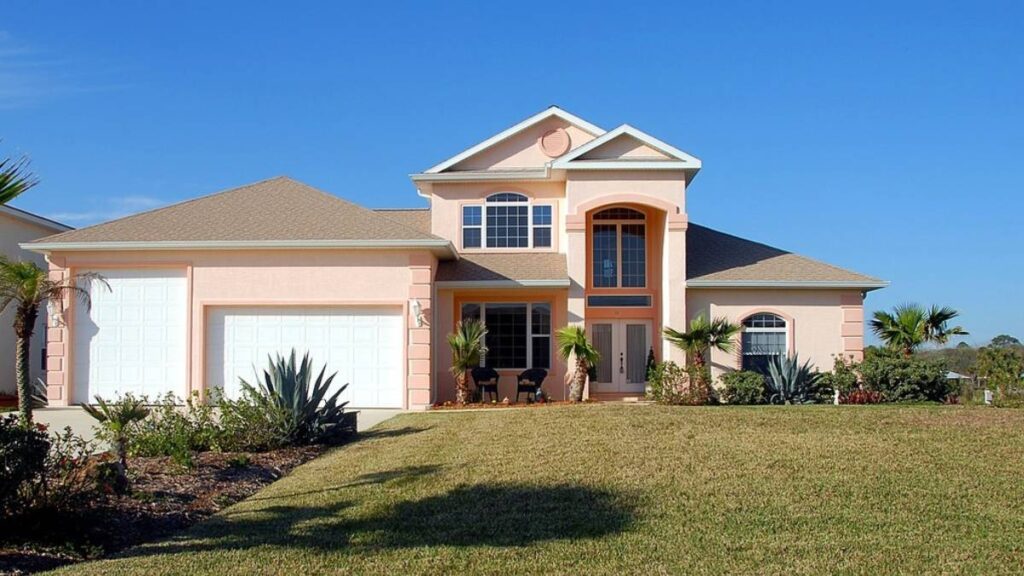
(310, 414)
(900, 378)
(251, 424)
(843, 378)
(743, 387)
(790, 382)
(176, 430)
(671, 384)
(23, 451)
(67, 481)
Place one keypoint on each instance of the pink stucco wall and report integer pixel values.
(521, 150)
(269, 277)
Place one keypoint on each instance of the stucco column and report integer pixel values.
(673, 290)
(576, 261)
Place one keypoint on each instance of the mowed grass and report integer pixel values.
(619, 489)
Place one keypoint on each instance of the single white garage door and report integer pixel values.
(133, 339)
(363, 345)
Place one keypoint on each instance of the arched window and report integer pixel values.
(764, 337)
(505, 220)
(619, 249)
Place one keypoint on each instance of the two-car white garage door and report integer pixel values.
(135, 339)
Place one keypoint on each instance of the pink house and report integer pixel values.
(551, 222)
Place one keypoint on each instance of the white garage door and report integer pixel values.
(133, 339)
(363, 345)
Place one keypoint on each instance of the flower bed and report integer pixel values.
(165, 498)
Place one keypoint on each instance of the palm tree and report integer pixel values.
(467, 344)
(704, 335)
(909, 326)
(117, 419)
(573, 345)
(14, 179)
(28, 287)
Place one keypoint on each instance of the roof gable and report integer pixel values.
(280, 210)
(33, 219)
(551, 118)
(627, 147)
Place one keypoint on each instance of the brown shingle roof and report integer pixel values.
(279, 209)
(716, 256)
(415, 218)
(504, 267)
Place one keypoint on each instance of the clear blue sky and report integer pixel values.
(887, 137)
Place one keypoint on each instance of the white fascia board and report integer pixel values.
(564, 283)
(475, 176)
(33, 219)
(784, 284)
(538, 117)
(628, 165)
(438, 245)
(688, 160)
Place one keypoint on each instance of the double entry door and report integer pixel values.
(623, 345)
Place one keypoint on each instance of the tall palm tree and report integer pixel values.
(704, 335)
(28, 287)
(909, 326)
(574, 346)
(14, 178)
(467, 344)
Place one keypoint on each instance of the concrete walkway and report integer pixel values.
(82, 424)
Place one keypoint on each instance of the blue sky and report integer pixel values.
(884, 137)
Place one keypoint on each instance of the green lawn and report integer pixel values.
(616, 489)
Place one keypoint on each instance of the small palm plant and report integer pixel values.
(116, 420)
(704, 335)
(790, 382)
(909, 326)
(306, 412)
(28, 287)
(573, 346)
(468, 347)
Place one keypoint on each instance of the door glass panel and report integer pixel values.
(636, 353)
(606, 255)
(602, 334)
(634, 256)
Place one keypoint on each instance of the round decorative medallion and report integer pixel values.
(554, 143)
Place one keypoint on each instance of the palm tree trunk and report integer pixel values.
(24, 325)
(579, 380)
(461, 388)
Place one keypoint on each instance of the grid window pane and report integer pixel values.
(542, 215)
(605, 255)
(508, 226)
(470, 237)
(634, 256)
(619, 214)
(471, 312)
(471, 215)
(760, 346)
(542, 237)
(506, 197)
(506, 335)
(541, 352)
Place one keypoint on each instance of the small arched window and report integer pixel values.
(506, 197)
(764, 337)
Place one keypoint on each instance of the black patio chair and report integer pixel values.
(530, 381)
(486, 380)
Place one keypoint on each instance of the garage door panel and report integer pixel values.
(133, 339)
(364, 347)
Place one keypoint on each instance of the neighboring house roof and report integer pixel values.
(717, 259)
(415, 218)
(504, 269)
(507, 133)
(675, 158)
(33, 218)
(276, 213)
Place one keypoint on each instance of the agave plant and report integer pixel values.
(790, 382)
(116, 419)
(308, 414)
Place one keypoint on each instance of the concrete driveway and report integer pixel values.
(82, 424)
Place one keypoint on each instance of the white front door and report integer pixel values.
(623, 345)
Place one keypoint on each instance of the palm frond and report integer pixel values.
(15, 178)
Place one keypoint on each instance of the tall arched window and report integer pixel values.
(619, 249)
(764, 337)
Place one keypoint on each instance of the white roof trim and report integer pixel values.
(32, 218)
(440, 245)
(564, 283)
(477, 175)
(538, 117)
(687, 161)
(866, 284)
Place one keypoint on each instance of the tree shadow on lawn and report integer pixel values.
(502, 515)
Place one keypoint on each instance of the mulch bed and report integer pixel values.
(489, 405)
(164, 499)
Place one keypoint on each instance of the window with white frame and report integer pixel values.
(518, 334)
(764, 337)
(507, 220)
(619, 249)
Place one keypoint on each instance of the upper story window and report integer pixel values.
(506, 220)
(764, 337)
(619, 249)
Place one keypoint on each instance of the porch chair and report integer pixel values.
(530, 381)
(486, 381)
